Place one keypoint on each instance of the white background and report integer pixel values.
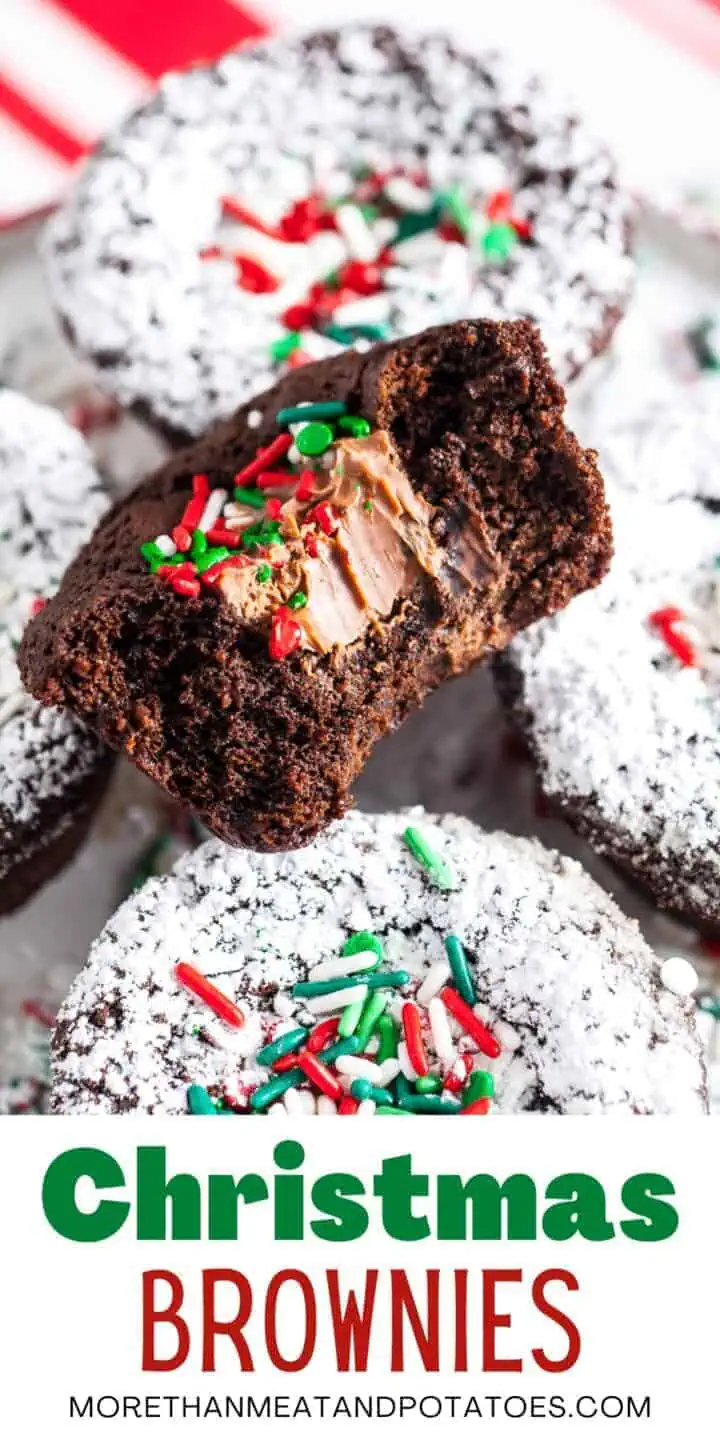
(71, 1313)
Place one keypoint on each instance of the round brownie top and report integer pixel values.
(620, 695)
(313, 192)
(50, 500)
(567, 1009)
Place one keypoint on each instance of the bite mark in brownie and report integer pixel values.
(508, 522)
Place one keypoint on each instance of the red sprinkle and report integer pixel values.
(38, 1012)
(264, 459)
(195, 507)
(231, 562)
(285, 634)
(478, 1107)
(305, 488)
(221, 535)
(451, 233)
(348, 1105)
(298, 317)
(182, 538)
(186, 571)
(253, 276)
(319, 1075)
(298, 358)
(38, 604)
(182, 585)
(470, 1022)
(412, 1028)
(498, 205)
(522, 227)
(273, 507)
(665, 621)
(363, 278)
(311, 544)
(322, 515)
(323, 1034)
(235, 210)
(211, 252)
(284, 1063)
(199, 984)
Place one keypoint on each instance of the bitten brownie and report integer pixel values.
(619, 699)
(325, 190)
(428, 966)
(53, 769)
(251, 620)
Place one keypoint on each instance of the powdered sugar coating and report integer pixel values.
(570, 986)
(176, 336)
(50, 501)
(626, 737)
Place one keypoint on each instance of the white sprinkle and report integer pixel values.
(437, 976)
(344, 965)
(678, 975)
(299, 1102)
(166, 545)
(13, 705)
(336, 1000)
(294, 455)
(326, 1106)
(407, 196)
(506, 1035)
(283, 1005)
(441, 1033)
(371, 310)
(388, 1071)
(404, 1059)
(366, 1107)
(356, 233)
(213, 509)
(254, 419)
(357, 1068)
(277, 1110)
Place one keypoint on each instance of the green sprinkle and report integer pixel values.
(403, 1089)
(340, 333)
(363, 940)
(254, 498)
(414, 223)
(368, 506)
(332, 1052)
(388, 1031)
(364, 1090)
(321, 410)
(282, 1046)
(460, 969)
(350, 1018)
(266, 1094)
(480, 1086)
(151, 552)
(263, 532)
(704, 338)
(498, 241)
(199, 1102)
(458, 209)
(390, 1110)
(280, 349)
(298, 601)
(199, 543)
(439, 871)
(348, 334)
(263, 573)
(314, 438)
(432, 1104)
(213, 555)
(355, 425)
(428, 1084)
(368, 211)
(380, 980)
(374, 1007)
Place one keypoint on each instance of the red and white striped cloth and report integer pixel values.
(69, 69)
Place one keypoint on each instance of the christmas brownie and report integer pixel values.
(619, 699)
(52, 768)
(260, 611)
(332, 189)
(402, 963)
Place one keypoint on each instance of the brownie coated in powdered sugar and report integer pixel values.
(265, 750)
(52, 769)
(624, 731)
(170, 330)
(564, 980)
